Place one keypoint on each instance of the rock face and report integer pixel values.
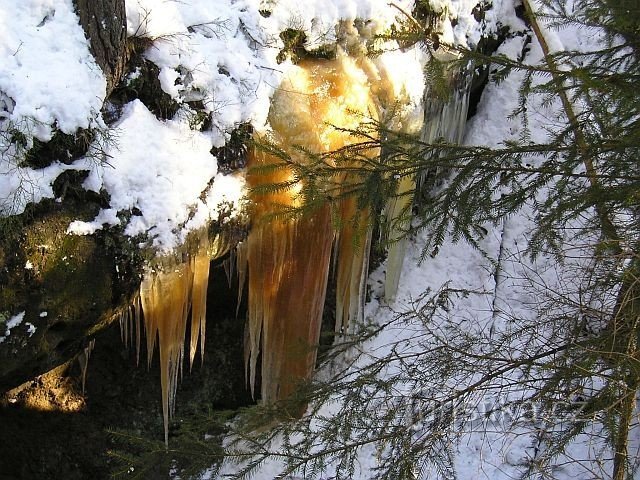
(64, 284)
(105, 25)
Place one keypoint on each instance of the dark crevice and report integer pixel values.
(63, 147)
(486, 47)
(145, 87)
(233, 155)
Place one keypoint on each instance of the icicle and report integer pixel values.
(166, 298)
(286, 297)
(353, 244)
(230, 267)
(241, 265)
(446, 118)
(443, 119)
(288, 261)
(129, 322)
(125, 327)
(165, 302)
(148, 303)
(83, 360)
(200, 268)
(138, 324)
(398, 214)
(121, 319)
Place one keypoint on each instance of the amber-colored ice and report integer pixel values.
(289, 260)
(165, 302)
(352, 245)
(167, 296)
(286, 260)
(200, 267)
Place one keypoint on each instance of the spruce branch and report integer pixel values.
(609, 230)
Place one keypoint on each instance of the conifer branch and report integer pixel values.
(626, 314)
(608, 228)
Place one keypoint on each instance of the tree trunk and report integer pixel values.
(105, 25)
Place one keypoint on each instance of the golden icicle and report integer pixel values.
(165, 302)
(200, 268)
(166, 297)
(352, 248)
(288, 260)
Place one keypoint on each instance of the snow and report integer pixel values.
(10, 324)
(221, 52)
(31, 328)
(505, 285)
(19, 185)
(48, 80)
(207, 50)
(47, 70)
(159, 168)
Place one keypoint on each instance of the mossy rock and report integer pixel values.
(295, 49)
(63, 283)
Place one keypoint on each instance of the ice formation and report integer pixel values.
(287, 259)
(167, 296)
(315, 109)
(445, 116)
(165, 302)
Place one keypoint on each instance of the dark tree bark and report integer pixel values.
(105, 25)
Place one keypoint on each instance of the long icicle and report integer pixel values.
(288, 260)
(353, 244)
(444, 118)
(200, 267)
(166, 298)
(165, 301)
